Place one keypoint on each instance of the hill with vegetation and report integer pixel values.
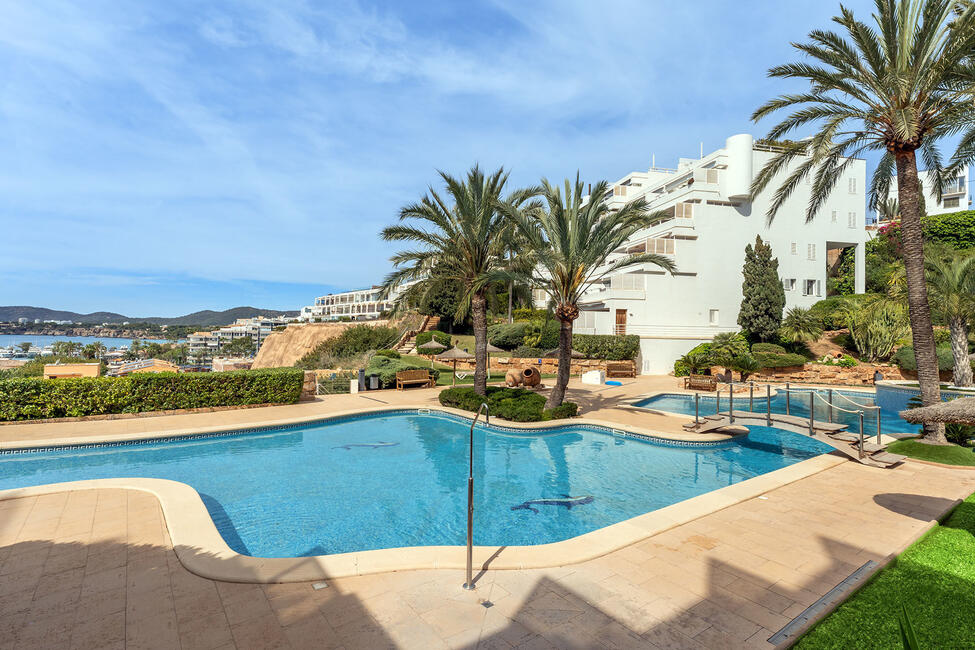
(207, 317)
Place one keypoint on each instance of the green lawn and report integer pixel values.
(947, 454)
(934, 578)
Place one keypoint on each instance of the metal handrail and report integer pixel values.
(470, 496)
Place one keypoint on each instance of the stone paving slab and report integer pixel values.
(96, 569)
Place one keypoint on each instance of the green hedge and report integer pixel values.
(904, 357)
(425, 337)
(34, 398)
(392, 354)
(509, 337)
(768, 348)
(386, 368)
(768, 360)
(607, 346)
(525, 313)
(515, 404)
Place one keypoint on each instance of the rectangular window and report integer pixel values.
(712, 176)
(789, 284)
(795, 248)
(853, 186)
(713, 316)
(628, 281)
(851, 220)
(808, 287)
(819, 288)
(833, 217)
(951, 203)
(587, 320)
(811, 252)
(684, 210)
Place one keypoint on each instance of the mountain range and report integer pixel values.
(206, 317)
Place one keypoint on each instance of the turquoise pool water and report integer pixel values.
(391, 480)
(890, 422)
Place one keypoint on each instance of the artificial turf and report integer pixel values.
(934, 579)
(947, 454)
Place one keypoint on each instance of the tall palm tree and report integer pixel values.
(898, 87)
(461, 241)
(572, 242)
(951, 284)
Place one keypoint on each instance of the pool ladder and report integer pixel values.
(470, 497)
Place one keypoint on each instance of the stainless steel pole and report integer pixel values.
(830, 414)
(470, 498)
(812, 413)
(697, 408)
(731, 403)
(717, 397)
(878, 426)
(768, 405)
(788, 404)
(751, 396)
(861, 433)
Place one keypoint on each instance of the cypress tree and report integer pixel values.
(763, 297)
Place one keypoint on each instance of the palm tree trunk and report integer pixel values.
(912, 242)
(479, 309)
(565, 365)
(962, 374)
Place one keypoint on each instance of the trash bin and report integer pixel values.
(362, 379)
(373, 382)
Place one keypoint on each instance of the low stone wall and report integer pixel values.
(817, 373)
(547, 366)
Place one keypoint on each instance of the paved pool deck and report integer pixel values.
(97, 568)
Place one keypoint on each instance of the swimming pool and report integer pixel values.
(399, 479)
(890, 421)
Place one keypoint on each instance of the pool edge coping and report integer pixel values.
(202, 550)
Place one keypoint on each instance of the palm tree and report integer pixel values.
(800, 325)
(462, 242)
(951, 284)
(572, 241)
(897, 87)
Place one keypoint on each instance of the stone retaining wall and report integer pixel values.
(817, 373)
(548, 366)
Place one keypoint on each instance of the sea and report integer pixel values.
(39, 340)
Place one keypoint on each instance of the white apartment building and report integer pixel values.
(712, 219)
(955, 195)
(258, 328)
(360, 304)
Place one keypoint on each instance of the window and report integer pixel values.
(795, 248)
(684, 210)
(539, 297)
(712, 176)
(853, 185)
(851, 220)
(811, 252)
(833, 216)
(628, 281)
(808, 287)
(951, 203)
(819, 288)
(789, 284)
(713, 316)
(587, 320)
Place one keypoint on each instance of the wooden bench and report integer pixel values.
(620, 369)
(700, 382)
(406, 378)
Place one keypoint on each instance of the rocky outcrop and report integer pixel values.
(284, 348)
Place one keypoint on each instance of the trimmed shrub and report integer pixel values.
(525, 352)
(607, 346)
(515, 404)
(768, 348)
(525, 313)
(392, 354)
(386, 368)
(904, 357)
(34, 398)
(768, 360)
(441, 337)
(509, 337)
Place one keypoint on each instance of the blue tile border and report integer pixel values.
(434, 412)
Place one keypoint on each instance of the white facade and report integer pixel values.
(955, 195)
(360, 304)
(258, 328)
(712, 220)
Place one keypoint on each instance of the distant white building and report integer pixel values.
(712, 219)
(955, 195)
(257, 328)
(359, 304)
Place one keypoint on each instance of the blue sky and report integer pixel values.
(162, 157)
